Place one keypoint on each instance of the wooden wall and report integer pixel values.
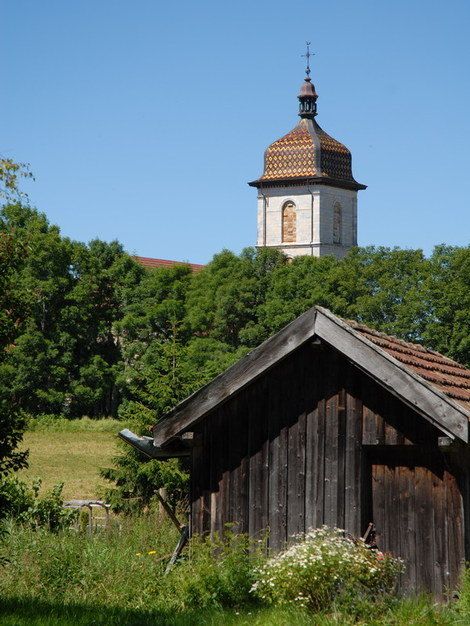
(313, 442)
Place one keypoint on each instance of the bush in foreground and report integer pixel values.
(325, 568)
(24, 505)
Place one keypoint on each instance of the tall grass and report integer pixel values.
(116, 577)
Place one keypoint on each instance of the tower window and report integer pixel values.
(337, 222)
(289, 226)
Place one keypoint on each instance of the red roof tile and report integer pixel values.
(447, 376)
(156, 263)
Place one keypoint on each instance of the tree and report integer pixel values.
(64, 358)
(11, 420)
(10, 173)
(11, 314)
(446, 291)
(225, 297)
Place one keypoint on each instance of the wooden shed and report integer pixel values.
(330, 422)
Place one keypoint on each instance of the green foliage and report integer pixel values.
(24, 505)
(10, 173)
(137, 479)
(64, 354)
(218, 574)
(102, 567)
(327, 567)
(464, 593)
(11, 309)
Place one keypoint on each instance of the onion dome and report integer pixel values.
(307, 154)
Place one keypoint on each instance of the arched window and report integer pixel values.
(289, 230)
(337, 222)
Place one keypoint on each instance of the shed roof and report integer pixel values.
(435, 387)
(449, 377)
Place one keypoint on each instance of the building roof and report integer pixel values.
(449, 377)
(437, 388)
(157, 263)
(307, 153)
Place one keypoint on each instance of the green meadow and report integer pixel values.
(74, 458)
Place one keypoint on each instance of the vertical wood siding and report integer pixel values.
(314, 441)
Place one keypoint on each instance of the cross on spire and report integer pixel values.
(308, 55)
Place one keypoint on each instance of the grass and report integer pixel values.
(27, 612)
(72, 453)
(80, 580)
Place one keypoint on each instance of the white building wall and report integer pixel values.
(315, 214)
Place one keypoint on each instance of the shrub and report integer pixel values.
(464, 593)
(217, 574)
(326, 567)
(24, 505)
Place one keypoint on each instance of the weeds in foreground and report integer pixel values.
(116, 577)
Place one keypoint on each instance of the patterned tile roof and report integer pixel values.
(156, 263)
(447, 376)
(307, 152)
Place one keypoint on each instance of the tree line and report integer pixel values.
(85, 330)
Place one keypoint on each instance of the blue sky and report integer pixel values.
(144, 121)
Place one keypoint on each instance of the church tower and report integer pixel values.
(307, 196)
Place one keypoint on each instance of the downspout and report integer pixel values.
(265, 205)
(311, 220)
(146, 446)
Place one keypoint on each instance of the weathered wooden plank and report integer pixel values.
(312, 374)
(379, 413)
(331, 442)
(285, 400)
(206, 477)
(369, 398)
(441, 574)
(393, 476)
(319, 456)
(234, 460)
(463, 461)
(390, 431)
(378, 504)
(430, 403)
(223, 516)
(425, 524)
(407, 529)
(276, 465)
(341, 481)
(257, 438)
(301, 460)
(455, 535)
(353, 456)
(294, 409)
(213, 474)
(195, 487)
(244, 468)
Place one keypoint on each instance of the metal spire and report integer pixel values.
(308, 55)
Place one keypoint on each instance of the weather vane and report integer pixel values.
(308, 55)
